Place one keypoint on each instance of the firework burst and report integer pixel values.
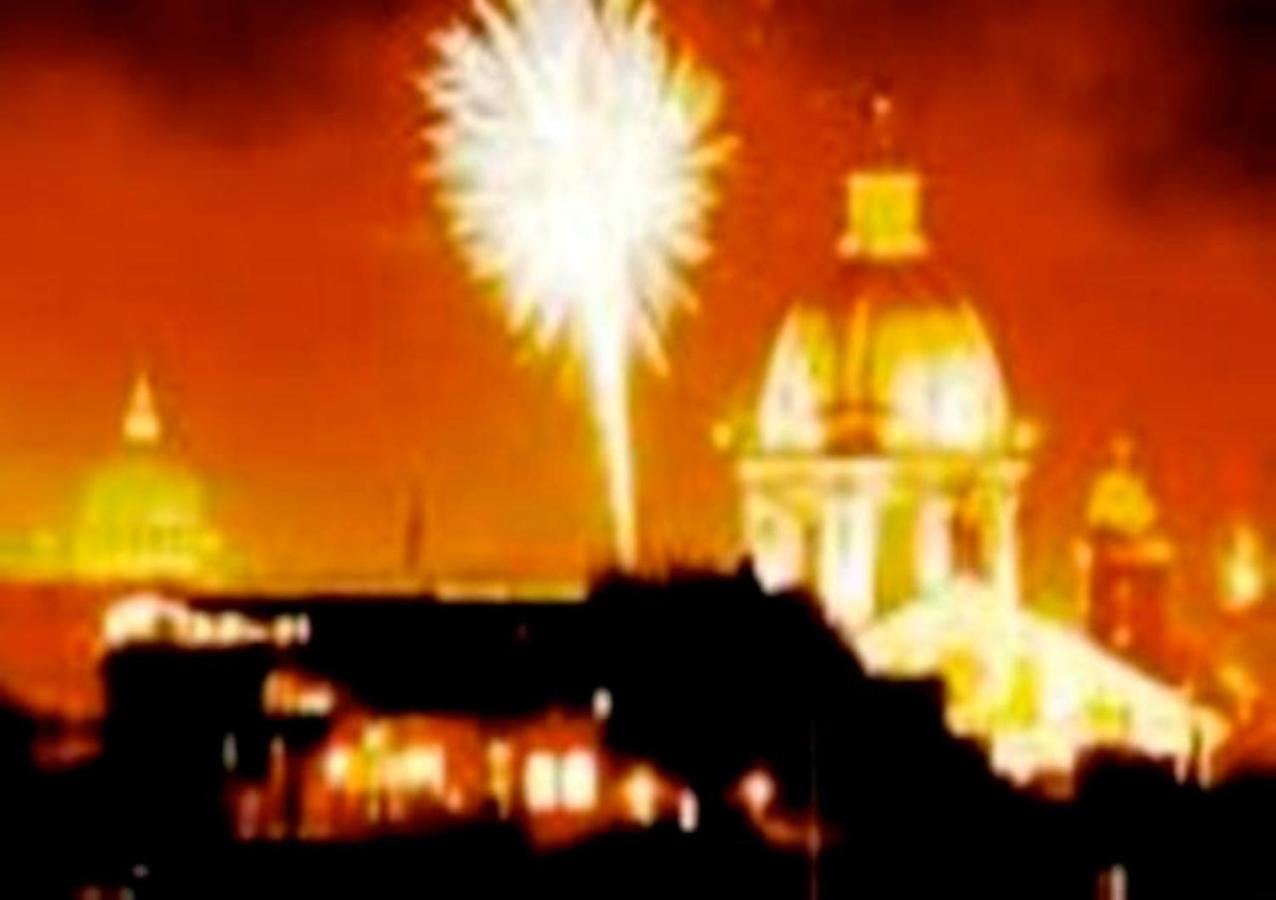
(576, 155)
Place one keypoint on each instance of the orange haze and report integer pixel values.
(251, 228)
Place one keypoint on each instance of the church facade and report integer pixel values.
(882, 472)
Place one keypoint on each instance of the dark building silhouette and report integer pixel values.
(708, 682)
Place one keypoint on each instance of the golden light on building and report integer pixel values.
(688, 810)
(602, 704)
(882, 413)
(1243, 569)
(420, 767)
(883, 204)
(1243, 688)
(151, 618)
(1124, 562)
(336, 765)
(1120, 501)
(757, 790)
(292, 693)
(540, 781)
(641, 793)
(142, 517)
(579, 780)
(500, 775)
(882, 472)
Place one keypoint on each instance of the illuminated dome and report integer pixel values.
(902, 367)
(900, 361)
(142, 517)
(884, 476)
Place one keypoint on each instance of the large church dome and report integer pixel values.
(142, 516)
(899, 360)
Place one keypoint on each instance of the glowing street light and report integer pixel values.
(758, 790)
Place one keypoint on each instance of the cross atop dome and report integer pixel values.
(141, 426)
(881, 109)
(883, 201)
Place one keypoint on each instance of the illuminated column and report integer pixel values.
(773, 536)
(934, 543)
(848, 556)
(1005, 563)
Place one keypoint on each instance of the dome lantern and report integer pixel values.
(883, 415)
(901, 361)
(883, 203)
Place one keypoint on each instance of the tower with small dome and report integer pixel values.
(1125, 561)
(883, 463)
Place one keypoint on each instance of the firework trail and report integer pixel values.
(576, 155)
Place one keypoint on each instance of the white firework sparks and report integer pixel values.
(576, 156)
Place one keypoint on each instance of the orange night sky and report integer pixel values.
(227, 193)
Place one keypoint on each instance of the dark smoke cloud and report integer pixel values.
(230, 66)
(1232, 114)
(190, 39)
(1182, 92)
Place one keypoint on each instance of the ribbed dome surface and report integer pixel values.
(903, 364)
(142, 516)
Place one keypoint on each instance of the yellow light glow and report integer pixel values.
(602, 704)
(884, 216)
(1026, 435)
(688, 810)
(757, 788)
(576, 155)
(1243, 570)
(641, 794)
(540, 781)
(917, 375)
(142, 517)
(336, 766)
(579, 781)
(500, 775)
(1037, 692)
(1240, 683)
(142, 426)
(1120, 500)
(423, 768)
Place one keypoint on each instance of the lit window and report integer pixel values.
(282, 631)
(336, 766)
(201, 630)
(500, 778)
(423, 768)
(580, 781)
(640, 796)
(688, 811)
(540, 781)
(602, 704)
(758, 790)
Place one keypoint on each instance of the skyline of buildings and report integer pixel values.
(153, 237)
(882, 473)
(853, 504)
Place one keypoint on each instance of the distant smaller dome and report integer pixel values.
(142, 517)
(1120, 501)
